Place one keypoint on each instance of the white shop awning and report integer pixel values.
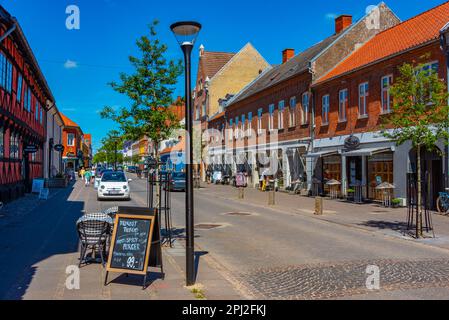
(367, 152)
(323, 154)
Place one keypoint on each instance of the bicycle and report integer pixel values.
(443, 203)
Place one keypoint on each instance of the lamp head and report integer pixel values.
(186, 32)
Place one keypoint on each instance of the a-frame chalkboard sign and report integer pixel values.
(132, 242)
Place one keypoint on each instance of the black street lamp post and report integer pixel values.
(186, 33)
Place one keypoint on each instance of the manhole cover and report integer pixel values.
(207, 226)
(241, 214)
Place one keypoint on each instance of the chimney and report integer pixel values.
(287, 54)
(201, 50)
(342, 22)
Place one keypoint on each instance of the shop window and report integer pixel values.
(292, 113)
(380, 170)
(342, 105)
(331, 170)
(386, 83)
(325, 110)
(14, 146)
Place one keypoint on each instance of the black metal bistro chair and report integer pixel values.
(94, 232)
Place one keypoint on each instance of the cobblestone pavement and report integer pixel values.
(346, 279)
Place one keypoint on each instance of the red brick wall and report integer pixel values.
(372, 74)
(294, 87)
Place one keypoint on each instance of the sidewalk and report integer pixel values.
(367, 217)
(39, 242)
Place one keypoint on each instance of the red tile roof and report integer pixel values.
(213, 62)
(416, 31)
(68, 122)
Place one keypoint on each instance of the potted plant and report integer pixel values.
(396, 203)
(350, 194)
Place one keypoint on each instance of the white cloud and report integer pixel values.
(69, 64)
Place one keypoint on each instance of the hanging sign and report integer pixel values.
(59, 148)
(352, 143)
(30, 149)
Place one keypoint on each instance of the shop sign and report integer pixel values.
(30, 149)
(59, 148)
(352, 143)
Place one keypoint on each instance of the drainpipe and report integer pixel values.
(444, 38)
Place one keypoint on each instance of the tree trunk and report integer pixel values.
(419, 217)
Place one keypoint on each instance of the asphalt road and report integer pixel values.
(274, 254)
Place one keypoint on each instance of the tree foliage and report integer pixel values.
(420, 115)
(110, 149)
(150, 89)
(420, 111)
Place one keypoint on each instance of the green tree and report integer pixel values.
(150, 89)
(420, 114)
(110, 149)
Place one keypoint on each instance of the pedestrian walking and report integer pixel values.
(87, 177)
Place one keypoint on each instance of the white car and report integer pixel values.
(114, 185)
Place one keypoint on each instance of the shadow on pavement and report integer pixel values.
(28, 241)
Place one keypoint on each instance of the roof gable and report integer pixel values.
(212, 62)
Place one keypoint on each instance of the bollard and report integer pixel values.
(241, 193)
(319, 206)
(272, 198)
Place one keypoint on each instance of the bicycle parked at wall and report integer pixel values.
(443, 203)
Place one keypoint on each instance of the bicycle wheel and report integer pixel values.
(442, 205)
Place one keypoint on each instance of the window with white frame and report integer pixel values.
(342, 105)
(271, 117)
(363, 99)
(5, 73)
(231, 130)
(197, 115)
(243, 127)
(386, 83)
(204, 110)
(237, 129)
(281, 115)
(250, 124)
(71, 140)
(305, 108)
(292, 113)
(259, 121)
(14, 146)
(36, 110)
(325, 109)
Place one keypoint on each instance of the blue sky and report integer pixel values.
(78, 64)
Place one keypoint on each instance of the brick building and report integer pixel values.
(72, 140)
(223, 74)
(278, 105)
(24, 99)
(353, 98)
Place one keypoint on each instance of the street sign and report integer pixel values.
(59, 148)
(131, 245)
(30, 149)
